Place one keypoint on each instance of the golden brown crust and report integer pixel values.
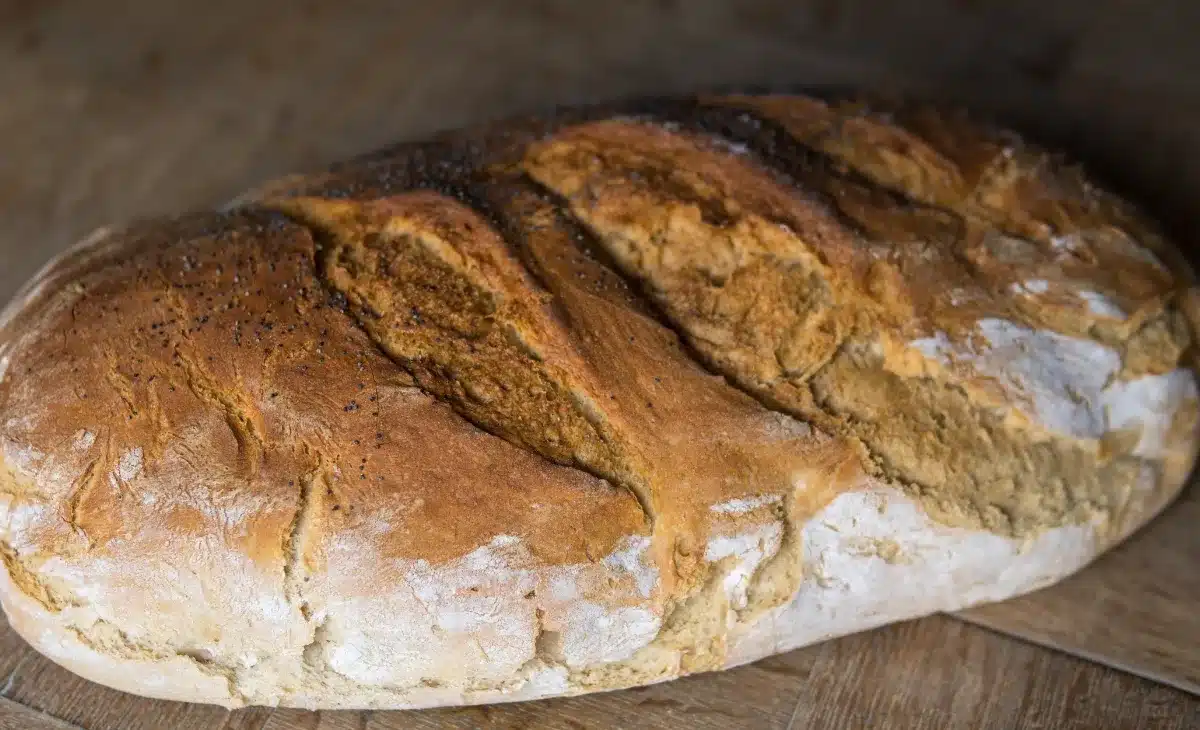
(777, 292)
(201, 350)
(619, 359)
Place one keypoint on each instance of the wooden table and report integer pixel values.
(120, 109)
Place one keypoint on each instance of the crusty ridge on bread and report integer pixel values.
(582, 402)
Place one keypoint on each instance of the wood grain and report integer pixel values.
(1137, 608)
(105, 118)
(940, 673)
(930, 674)
(14, 652)
(19, 717)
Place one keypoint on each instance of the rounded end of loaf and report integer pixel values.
(569, 406)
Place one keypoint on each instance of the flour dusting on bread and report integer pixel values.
(583, 402)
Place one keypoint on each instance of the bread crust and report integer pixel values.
(583, 402)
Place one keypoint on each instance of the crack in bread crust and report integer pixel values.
(28, 582)
(789, 306)
(107, 638)
(593, 378)
(430, 284)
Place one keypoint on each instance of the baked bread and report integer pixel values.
(583, 402)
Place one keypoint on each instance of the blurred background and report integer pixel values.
(127, 108)
(132, 107)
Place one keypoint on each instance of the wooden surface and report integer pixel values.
(930, 674)
(925, 675)
(1136, 609)
(14, 716)
(135, 107)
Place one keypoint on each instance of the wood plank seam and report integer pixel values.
(64, 68)
(51, 718)
(265, 721)
(792, 717)
(1083, 654)
(12, 676)
(795, 712)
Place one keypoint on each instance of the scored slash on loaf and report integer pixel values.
(584, 401)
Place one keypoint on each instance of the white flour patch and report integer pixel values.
(748, 551)
(129, 465)
(1034, 286)
(24, 459)
(596, 633)
(230, 515)
(84, 440)
(1064, 376)
(1102, 306)
(846, 590)
(546, 681)
(563, 588)
(1069, 243)
(742, 505)
(19, 519)
(379, 524)
(1069, 382)
(1150, 403)
(734, 147)
(479, 616)
(22, 423)
(936, 348)
(630, 557)
(958, 297)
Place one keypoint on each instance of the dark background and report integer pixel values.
(131, 107)
(111, 110)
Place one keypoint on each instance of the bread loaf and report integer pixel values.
(582, 402)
